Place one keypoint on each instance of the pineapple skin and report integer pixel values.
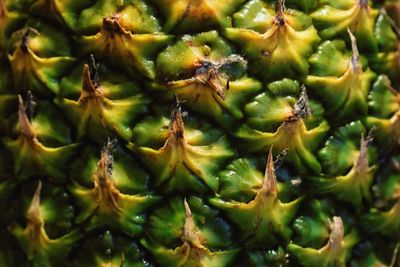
(199, 133)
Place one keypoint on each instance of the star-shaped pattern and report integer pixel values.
(133, 52)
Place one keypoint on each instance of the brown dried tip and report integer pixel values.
(280, 12)
(104, 186)
(337, 235)
(3, 9)
(301, 108)
(34, 215)
(189, 233)
(177, 128)
(363, 3)
(111, 24)
(208, 74)
(269, 184)
(362, 159)
(25, 126)
(355, 59)
(88, 87)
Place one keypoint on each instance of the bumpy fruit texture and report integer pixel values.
(200, 133)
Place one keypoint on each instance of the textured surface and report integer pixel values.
(203, 133)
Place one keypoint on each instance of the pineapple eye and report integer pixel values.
(199, 133)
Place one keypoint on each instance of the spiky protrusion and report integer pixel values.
(39, 248)
(265, 217)
(269, 186)
(355, 58)
(25, 117)
(183, 165)
(35, 219)
(210, 75)
(361, 164)
(104, 204)
(177, 128)
(301, 109)
(336, 237)
(353, 186)
(90, 88)
(280, 12)
(190, 234)
(107, 194)
(336, 252)
(293, 134)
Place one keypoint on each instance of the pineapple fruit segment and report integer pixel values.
(199, 133)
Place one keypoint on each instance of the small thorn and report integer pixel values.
(87, 83)
(337, 234)
(189, 233)
(280, 11)
(362, 159)
(188, 212)
(269, 184)
(177, 127)
(355, 59)
(25, 125)
(34, 215)
(106, 192)
(89, 89)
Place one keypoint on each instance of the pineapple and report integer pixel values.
(199, 133)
